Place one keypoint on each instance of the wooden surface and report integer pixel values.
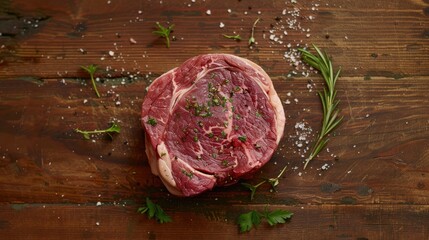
(51, 179)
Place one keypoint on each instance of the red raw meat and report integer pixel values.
(211, 121)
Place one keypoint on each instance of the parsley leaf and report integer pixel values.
(252, 188)
(153, 210)
(91, 69)
(246, 221)
(275, 181)
(277, 216)
(164, 32)
(272, 181)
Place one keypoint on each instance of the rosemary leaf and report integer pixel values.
(331, 117)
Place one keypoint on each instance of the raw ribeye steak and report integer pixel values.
(209, 122)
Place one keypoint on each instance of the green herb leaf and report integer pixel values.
(154, 211)
(161, 216)
(252, 188)
(242, 138)
(247, 220)
(91, 69)
(142, 209)
(275, 181)
(152, 121)
(152, 208)
(277, 216)
(164, 32)
(331, 118)
(252, 37)
(112, 129)
(235, 37)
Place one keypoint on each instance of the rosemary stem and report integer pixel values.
(313, 149)
(330, 119)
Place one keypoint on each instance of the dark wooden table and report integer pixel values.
(373, 183)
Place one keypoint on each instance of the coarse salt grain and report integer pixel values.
(325, 166)
(221, 25)
(208, 12)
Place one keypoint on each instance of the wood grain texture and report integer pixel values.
(119, 222)
(377, 184)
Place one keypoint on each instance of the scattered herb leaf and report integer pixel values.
(235, 37)
(277, 216)
(275, 181)
(252, 35)
(188, 174)
(164, 32)
(331, 118)
(152, 121)
(246, 221)
(242, 138)
(272, 181)
(112, 129)
(225, 163)
(91, 69)
(154, 211)
(252, 188)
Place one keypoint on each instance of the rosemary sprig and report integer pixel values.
(164, 32)
(331, 118)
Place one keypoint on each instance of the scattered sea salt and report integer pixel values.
(221, 25)
(133, 41)
(325, 166)
(208, 12)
